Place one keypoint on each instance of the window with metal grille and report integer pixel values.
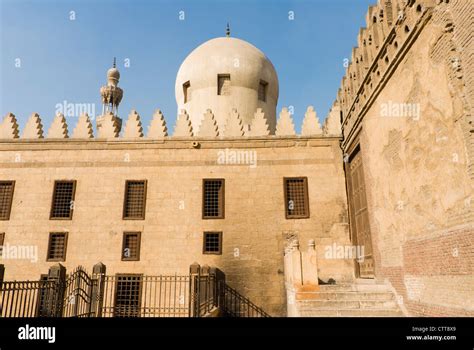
(212, 243)
(2, 239)
(131, 246)
(134, 200)
(213, 199)
(223, 84)
(187, 91)
(57, 246)
(62, 205)
(262, 90)
(296, 197)
(6, 197)
(128, 290)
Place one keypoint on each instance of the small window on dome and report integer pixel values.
(262, 91)
(223, 84)
(187, 91)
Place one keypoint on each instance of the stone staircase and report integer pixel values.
(363, 298)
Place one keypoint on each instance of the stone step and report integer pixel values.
(347, 304)
(354, 288)
(351, 313)
(350, 295)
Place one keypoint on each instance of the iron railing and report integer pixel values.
(145, 296)
(202, 293)
(236, 305)
(28, 299)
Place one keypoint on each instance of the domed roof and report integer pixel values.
(246, 65)
(113, 73)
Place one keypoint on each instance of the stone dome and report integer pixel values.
(223, 74)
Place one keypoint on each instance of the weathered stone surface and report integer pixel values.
(9, 127)
(208, 126)
(183, 125)
(58, 129)
(259, 125)
(33, 128)
(108, 126)
(311, 124)
(83, 128)
(233, 125)
(133, 127)
(157, 128)
(285, 125)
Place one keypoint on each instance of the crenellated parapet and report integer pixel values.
(58, 129)
(9, 127)
(391, 26)
(109, 126)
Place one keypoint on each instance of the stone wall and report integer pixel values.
(255, 229)
(411, 113)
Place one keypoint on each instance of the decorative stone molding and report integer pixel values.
(183, 127)
(332, 124)
(133, 127)
(233, 126)
(259, 125)
(33, 128)
(157, 128)
(58, 128)
(301, 266)
(9, 127)
(83, 128)
(208, 126)
(311, 124)
(285, 125)
(108, 126)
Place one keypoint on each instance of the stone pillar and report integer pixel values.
(55, 294)
(219, 288)
(194, 277)
(297, 274)
(97, 291)
(310, 266)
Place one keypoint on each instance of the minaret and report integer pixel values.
(111, 97)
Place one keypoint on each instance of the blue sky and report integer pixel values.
(47, 58)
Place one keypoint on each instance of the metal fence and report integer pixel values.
(236, 305)
(28, 299)
(145, 296)
(202, 293)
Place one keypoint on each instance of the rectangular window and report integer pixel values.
(212, 243)
(296, 197)
(262, 91)
(213, 198)
(128, 295)
(63, 200)
(134, 200)
(57, 246)
(6, 198)
(223, 84)
(131, 246)
(2, 240)
(187, 91)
